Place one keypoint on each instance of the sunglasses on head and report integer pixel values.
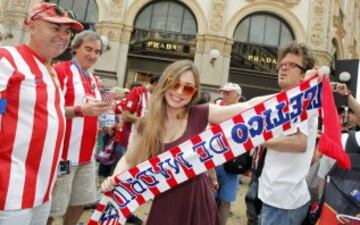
(187, 89)
(59, 11)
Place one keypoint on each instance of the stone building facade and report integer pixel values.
(229, 40)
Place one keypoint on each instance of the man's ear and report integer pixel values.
(29, 25)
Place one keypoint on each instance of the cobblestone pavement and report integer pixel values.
(238, 209)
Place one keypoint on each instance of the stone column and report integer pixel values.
(123, 54)
(213, 74)
(107, 64)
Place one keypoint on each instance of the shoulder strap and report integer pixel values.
(351, 145)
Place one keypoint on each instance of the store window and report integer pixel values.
(263, 29)
(165, 28)
(254, 53)
(164, 31)
(167, 16)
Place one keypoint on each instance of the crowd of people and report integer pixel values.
(54, 117)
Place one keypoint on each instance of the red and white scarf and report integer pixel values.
(214, 146)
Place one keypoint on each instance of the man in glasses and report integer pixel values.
(282, 186)
(32, 118)
(83, 102)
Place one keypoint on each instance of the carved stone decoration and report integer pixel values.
(353, 46)
(287, 3)
(317, 28)
(111, 30)
(13, 22)
(18, 5)
(339, 28)
(116, 8)
(323, 57)
(218, 15)
(213, 42)
(126, 34)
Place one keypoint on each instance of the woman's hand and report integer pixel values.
(108, 184)
(214, 186)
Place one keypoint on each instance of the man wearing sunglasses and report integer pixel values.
(282, 185)
(32, 119)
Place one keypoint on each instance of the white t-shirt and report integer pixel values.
(282, 183)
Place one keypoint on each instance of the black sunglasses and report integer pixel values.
(59, 11)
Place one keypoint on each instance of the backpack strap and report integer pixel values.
(351, 145)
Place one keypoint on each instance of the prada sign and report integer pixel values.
(162, 45)
(261, 59)
(254, 57)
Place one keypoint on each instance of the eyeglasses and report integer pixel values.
(288, 66)
(187, 89)
(58, 10)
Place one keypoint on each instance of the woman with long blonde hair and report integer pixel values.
(172, 119)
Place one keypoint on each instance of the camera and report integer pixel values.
(64, 167)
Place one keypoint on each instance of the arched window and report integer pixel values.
(87, 11)
(166, 16)
(263, 29)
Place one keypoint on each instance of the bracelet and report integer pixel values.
(78, 111)
(3, 103)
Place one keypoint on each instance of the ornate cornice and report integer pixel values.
(110, 29)
(126, 34)
(286, 3)
(323, 57)
(204, 43)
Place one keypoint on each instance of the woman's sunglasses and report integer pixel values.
(187, 89)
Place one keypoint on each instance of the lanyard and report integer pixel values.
(83, 72)
(85, 77)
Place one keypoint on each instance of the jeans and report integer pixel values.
(275, 216)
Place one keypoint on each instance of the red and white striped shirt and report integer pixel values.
(32, 129)
(137, 101)
(81, 132)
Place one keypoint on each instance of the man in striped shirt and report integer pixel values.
(83, 104)
(136, 106)
(32, 124)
